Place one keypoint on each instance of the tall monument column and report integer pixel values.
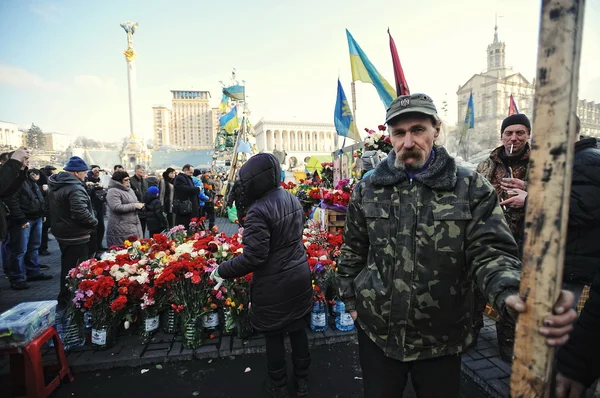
(130, 55)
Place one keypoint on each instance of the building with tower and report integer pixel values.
(491, 96)
(491, 93)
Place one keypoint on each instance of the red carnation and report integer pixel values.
(381, 127)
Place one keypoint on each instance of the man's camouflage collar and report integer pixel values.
(441, 174)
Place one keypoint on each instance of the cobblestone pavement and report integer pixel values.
(482, 367)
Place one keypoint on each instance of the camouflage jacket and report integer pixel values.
(412, 249)
(494, 170)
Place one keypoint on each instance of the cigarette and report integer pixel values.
(511, 147)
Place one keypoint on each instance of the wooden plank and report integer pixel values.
(549, 190)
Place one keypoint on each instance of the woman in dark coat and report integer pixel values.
(281, 286)
(167, 192)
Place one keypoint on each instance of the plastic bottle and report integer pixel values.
(70, 333)
(210, 322)
(343, 320)
(318, 318)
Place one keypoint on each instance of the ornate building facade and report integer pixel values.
(190, 123)
(298, 139)
(491, 96)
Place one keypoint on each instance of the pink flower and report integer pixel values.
(188, 275)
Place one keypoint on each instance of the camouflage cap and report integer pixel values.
(417, 103)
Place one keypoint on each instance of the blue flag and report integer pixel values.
(469, 117)
(342, 117)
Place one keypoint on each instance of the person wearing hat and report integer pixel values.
(47, 171)
(506, 169)
(155, 217)
(421, 234)
(72, 219)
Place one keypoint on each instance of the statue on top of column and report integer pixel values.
(129, 28)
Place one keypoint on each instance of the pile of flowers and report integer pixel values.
(378, 140)
(338, 198)
(144, 277)
(322, 250)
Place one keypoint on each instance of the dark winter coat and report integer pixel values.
(185, 190)
(578, 358)
(27, 203)
(167, 192)
(72, 217)
(140, 187)
(11, 179)
(273, 248)
(582, 260)
(96, 194)
(155, 218)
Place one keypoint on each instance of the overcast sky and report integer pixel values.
(62, 67)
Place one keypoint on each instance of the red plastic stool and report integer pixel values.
(26, 367)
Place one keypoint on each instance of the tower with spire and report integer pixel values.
(496, 56)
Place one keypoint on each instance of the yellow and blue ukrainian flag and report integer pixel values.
(223, 104)
(235, 92)
(229, 121)
(364, 71)
(342, 116)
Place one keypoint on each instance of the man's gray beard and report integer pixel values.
(399, 163)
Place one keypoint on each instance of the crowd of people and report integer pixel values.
(427, 244)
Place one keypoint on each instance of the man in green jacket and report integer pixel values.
(420, 232)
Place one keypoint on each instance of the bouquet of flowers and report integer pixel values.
(237, 304)
(378, 140)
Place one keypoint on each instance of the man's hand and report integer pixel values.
(568, 388)
(516, 201)
(512, 183)
(556, 327)
(25, 226)
(139, 206)
(21, 154)
(354, 315)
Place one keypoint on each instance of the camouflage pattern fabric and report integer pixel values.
(494, 170)
(413, 249)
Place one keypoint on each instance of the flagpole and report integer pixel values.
(354, 105)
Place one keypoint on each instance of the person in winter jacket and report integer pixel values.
(123, 209)
(72, 219)
(421, 234)
(98, 195)
(582, 257)
(167, 191)
(155, 218)
(577, 361)
(202, 198)
(281, 283)
(26, 208)
(185, 202)
(139, 185)
(47, 171)
(12, 176)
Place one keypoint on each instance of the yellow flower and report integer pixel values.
(241, 307)
(233, 303)
(127, 243)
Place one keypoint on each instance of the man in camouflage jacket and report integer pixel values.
(420, 231)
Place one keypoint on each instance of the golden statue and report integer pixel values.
(129, 54)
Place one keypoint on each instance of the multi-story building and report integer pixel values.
(10, 135)
(57, 141)
(162, 125)
(191, 122)
(589, 113)
(491, 96)
(299, 140)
